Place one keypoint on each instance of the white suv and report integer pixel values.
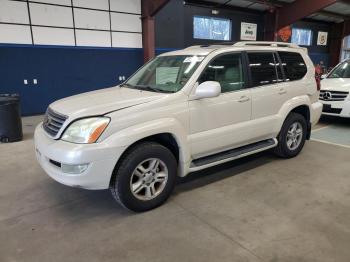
(183, 111)
(335, 89)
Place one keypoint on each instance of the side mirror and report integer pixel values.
(207, 89)
(324, 76)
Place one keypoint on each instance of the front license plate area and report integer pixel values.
(326, 108)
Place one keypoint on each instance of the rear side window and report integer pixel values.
(263, 68)
(293, 65)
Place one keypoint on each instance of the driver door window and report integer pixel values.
(227, 70)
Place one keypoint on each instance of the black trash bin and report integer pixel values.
(10, 118)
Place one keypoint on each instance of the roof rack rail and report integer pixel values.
(266, 43)
(212, 44)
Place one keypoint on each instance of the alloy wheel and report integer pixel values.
(294, 136)
(149, 179)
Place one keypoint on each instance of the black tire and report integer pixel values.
(282, 149)
(120, 183)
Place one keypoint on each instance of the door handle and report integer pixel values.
(282, 91)
(243, 99)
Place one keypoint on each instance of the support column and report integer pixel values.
(338, 32)
(148, 38)
(149, 9)
(335, 43)
(270, 30)
(346, 27)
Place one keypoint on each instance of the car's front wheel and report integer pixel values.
(145, 177)
(292, 136)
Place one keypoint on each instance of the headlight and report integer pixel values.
(86, 131)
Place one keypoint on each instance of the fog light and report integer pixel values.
(74, 169)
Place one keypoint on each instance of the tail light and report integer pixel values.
(318, 80)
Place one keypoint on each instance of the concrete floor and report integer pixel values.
(256, 209)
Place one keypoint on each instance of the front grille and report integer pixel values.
(326, 95)
(53, 122)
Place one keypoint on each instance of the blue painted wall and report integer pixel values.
(61, 71)
(320, 57)
(165, 50)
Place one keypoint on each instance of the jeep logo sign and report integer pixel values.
(248, 31)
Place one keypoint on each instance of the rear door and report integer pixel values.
(269, 91)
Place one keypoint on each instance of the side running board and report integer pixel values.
(232, 154)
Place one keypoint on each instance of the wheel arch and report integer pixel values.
(300, 105)
(167, 132)
(304, 110)
(165, 139)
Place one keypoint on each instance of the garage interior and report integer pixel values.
(259, 208)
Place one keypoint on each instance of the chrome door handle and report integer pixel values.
(243, 99)
(282, 91)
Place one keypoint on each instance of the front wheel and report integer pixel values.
(145, 177)
(292, 136)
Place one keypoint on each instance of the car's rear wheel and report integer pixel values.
(145, 177)
(292, 136)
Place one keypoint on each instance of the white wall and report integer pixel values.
(98, 23)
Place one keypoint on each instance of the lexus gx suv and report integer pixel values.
(183, 111)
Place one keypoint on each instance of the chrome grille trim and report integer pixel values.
(53, 122)
(326, 95)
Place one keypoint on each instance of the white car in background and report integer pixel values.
(335, 89)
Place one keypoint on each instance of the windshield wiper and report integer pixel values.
(127, 85)
(152, 89)
(146, 88)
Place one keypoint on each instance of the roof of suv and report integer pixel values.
(243, 45)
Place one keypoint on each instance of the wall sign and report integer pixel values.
(284, 34)
(322, 38)
(248, 31)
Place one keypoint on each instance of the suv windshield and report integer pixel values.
(341, 71)
(166, 74)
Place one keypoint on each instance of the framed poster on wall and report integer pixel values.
(284, 34)
(322, 38)
(248, 31)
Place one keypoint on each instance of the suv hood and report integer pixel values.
(103, 101)
(336, 84)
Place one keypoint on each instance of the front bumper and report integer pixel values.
(100, 157)
(337, 108)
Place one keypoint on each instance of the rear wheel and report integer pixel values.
(145, 177)
(292, 136)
